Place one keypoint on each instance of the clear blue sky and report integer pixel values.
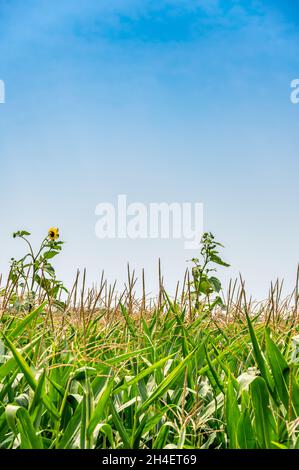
(170, 100)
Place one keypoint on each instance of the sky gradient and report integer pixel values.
(176, 100)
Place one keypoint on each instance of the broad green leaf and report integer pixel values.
(120, 427)
(259, 355)
(263, 419)
(20, 421)
(162, 388)
(232, 414)
(28, 374)
(279, 369)
(26, 321)
(100, 408)
(143, 373)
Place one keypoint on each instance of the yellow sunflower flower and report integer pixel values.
(53, 233)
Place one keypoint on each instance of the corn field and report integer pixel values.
(113, 371)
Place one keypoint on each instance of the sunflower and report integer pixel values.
(53, 233)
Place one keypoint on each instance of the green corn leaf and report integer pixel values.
(259, 356)
(28, 374)
(100, 408)
(120, 427)
(20, 421)
(263, 419)
(129, 322)
(232, 414)
(279, 369)
(167, 382)
(18, 330)
(11, 363)
(245, 433)
(143, 374)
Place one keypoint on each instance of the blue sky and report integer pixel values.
(176, 100)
